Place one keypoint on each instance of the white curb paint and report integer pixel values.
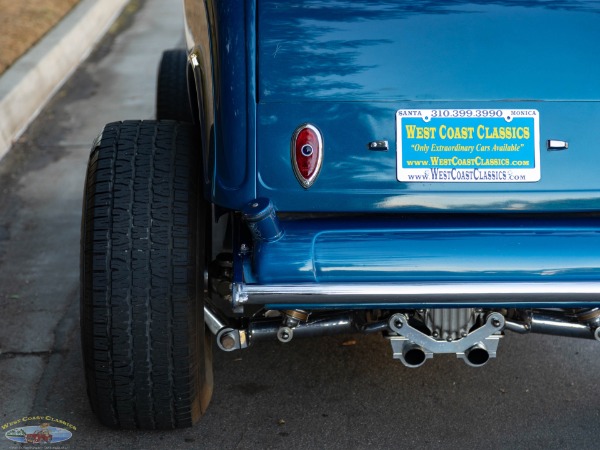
(29, 83)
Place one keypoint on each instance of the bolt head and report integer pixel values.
(284, 334)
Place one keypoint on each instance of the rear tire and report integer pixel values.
(147, 356)
(172, 97)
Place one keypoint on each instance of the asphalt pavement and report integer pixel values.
(342, 392)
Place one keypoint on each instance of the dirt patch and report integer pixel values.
(24, 22)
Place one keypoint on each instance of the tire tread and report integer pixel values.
(142, 353)
(172, 97)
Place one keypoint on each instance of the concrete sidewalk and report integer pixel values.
(29, 83)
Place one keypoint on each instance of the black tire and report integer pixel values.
(172, 97)
(147, 354)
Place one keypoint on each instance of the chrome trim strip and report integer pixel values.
(509, 292)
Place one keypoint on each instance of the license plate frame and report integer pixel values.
(468, 145)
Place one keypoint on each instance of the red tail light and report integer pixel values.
(307, 154)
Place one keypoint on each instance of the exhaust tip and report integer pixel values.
(477, 356)
(413, 356)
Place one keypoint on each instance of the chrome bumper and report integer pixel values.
(415, 295)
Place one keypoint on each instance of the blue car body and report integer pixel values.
(459, 161)
(348, 67)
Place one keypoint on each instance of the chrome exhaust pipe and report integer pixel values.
(476, 356)
(546, 322)
(413, 356)
(558, 326)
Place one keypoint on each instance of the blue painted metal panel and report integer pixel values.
(234, 56)
(356, 179)
(350, 65)
(430, 250)
(428, 50)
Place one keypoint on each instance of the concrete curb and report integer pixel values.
(30, 83)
